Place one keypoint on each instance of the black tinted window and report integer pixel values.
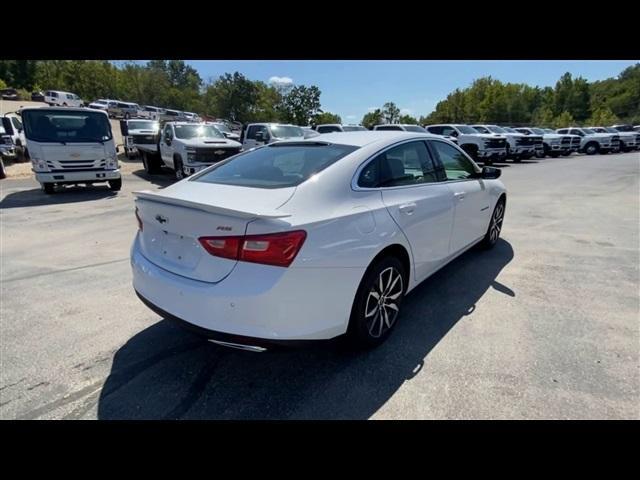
(406, 164)
(388, 127)
(276, 166)
(328, 129)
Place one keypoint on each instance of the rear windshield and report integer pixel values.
(276, 166)
(353, 129)
(42, 125)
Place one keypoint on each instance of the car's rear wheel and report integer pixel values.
(377, 303)
(495, 225)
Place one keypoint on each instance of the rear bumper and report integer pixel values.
(256, 301)
(77, 177)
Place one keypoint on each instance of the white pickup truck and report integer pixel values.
(70, 145)
(187, 148)
(628, 140)
(553, 143)
(479, 146)
(592, 142)
(257, 134)
(519, 146)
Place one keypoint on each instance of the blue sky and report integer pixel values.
(350, 88)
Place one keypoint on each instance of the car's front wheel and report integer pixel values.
(377, 304)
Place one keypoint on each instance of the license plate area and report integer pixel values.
(179, 250)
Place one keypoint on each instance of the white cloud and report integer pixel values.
(280, 81)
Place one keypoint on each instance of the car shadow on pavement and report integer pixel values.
(64, 194)
(164, 372)
(163, 179)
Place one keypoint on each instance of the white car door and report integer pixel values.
(419, 202)
(471, 198)
(166, 149)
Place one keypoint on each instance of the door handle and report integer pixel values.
(459, 195)
(407, 208)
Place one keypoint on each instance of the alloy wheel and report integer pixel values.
(382, 307)
(496, 223)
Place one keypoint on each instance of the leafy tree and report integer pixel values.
(301, 104)
(326, 117)
(2, 84)
(565, 119)
(371, 119)
(390, 112)
(231, 96)
(602, 116)
(408, 119)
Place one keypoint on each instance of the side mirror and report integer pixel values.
(490, 173)
(260, 137)
(454, 134)
(167, 141)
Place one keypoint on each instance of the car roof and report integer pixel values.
(65, 109)
(362, 138)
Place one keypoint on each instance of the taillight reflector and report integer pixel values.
(279, 249)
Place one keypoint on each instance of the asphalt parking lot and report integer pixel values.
(546, 325)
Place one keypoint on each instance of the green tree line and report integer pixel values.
(570, 101)
(169, 84)
(174, 84)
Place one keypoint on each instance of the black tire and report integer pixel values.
(368, 331)
(540, 154)
(554, 154)
(177, 168)
(150, 163)
(592, 148)
(516, 159)
(115, 185)
(49, 188)
(565, 154)
(495, 226)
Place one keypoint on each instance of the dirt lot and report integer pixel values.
(543, 326)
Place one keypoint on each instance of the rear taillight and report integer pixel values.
(279, 249)
(139, 220)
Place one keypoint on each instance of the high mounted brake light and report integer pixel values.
(279, 249)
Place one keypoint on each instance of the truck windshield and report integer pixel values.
(222, 127)
(496, 129)
(276, 166)
(285, 131)
(466, 130)
(197, 131)
(142, 125)
(353, 129)
(539, 131)
(611, 130)
(588, 131)
(44, 125)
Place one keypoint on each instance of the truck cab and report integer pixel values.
(479, 146)
(257, 134)
(188, 147)
(71, 146)
(628, 140)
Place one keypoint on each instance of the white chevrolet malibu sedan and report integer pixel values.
(311, 239)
